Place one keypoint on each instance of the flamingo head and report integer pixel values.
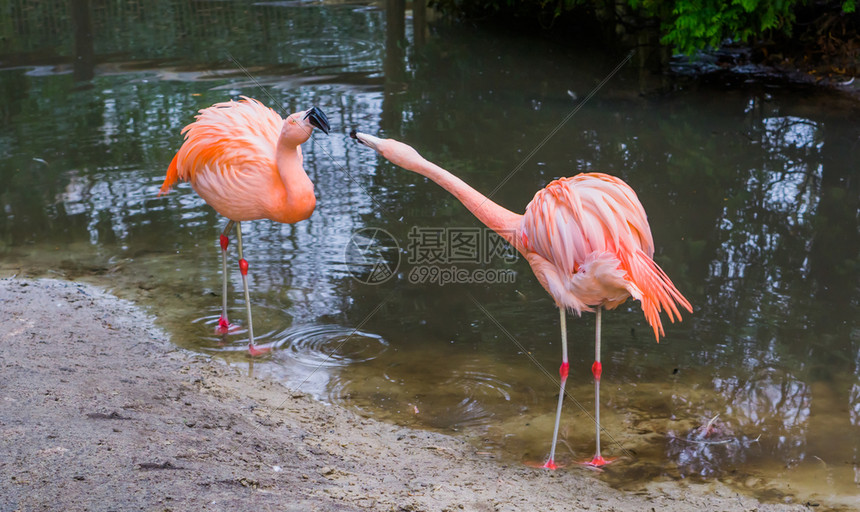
(299, 126)
(365, 139)
(394, 151)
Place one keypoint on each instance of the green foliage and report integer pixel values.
(697, 24)
(685, 25)
(700, 24)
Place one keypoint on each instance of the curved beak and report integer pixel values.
(318, 119)
(367, 140)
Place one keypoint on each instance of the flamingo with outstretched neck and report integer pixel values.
(245, 161)
(586, 238)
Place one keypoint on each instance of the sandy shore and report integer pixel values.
(98, 411)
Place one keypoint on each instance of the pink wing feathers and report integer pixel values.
(588, 240)
(227, 138)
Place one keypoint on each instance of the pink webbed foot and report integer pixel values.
(225, 327)
(550, 464)
(599, 461)
(256, 350)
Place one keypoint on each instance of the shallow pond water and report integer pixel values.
(752, 192)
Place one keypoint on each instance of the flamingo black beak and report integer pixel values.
(365, 139)
(318, 119)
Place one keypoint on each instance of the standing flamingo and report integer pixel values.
(245, 161)
(588, 242)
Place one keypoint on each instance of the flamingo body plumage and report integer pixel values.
(587, 240)
(231, 154)
(245, 161)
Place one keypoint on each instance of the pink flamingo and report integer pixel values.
(588, 242)
(245, 161)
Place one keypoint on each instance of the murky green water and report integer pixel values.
(752, 192)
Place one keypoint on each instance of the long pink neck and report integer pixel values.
(501, 220)
(299, 201)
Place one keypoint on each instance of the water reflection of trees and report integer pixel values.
(763, 415)
(43, 31)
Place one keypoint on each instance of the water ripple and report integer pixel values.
(236, 339)
(331, 49)
(330, 345)
(480, 391)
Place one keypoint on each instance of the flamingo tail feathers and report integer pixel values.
(658, 292)
(171, 178)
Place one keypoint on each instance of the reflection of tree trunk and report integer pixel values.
(836, 241)
(833, 260)
(653, 61)
(622, 26)
(394, 65)
(84, 52)
(419, 22)
(395, 39)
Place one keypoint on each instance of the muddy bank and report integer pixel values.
(98, 411)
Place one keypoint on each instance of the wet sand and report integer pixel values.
(99, 411)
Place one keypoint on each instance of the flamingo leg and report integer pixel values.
(563, 371)
(223, 322)
(243, 267)
(596, 370)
